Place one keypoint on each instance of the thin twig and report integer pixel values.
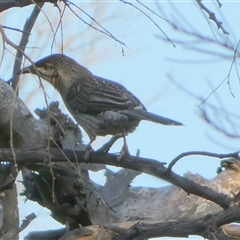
(59, 24)
(23, 43)
(146, 15)
(212, 16)
(15, 29)
(101, 26)
(97, 29)
(201, 153)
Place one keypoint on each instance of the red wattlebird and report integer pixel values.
(100, 106)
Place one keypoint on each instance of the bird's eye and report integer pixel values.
(46, 66)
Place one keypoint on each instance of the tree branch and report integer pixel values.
(205, 226)
(6, 4)
(149, 166)
(23, 43)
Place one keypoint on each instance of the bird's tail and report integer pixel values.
(155, 118)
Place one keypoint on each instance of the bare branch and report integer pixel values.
(201, 153)
(4, 5)
(204, 226)
(132, 5)
(25, 222)
(23, 43)
(59, 25)
(15, 29)
(152, 167)
(212, 16)
(104, 31)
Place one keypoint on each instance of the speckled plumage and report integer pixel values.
(102, 107)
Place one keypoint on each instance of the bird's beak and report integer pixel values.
(29, 69)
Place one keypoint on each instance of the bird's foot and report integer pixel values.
(88, 150)
(123, 152)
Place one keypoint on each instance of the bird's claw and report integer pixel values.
(123, 152)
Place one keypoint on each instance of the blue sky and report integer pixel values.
(152, 69)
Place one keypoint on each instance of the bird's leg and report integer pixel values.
(124, 148)
(89, 148)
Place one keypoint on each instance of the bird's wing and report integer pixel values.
(93, 95)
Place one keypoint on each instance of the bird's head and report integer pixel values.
(58, 69)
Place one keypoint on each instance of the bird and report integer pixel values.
(100, 106)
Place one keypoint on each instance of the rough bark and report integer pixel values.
(10, 210)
